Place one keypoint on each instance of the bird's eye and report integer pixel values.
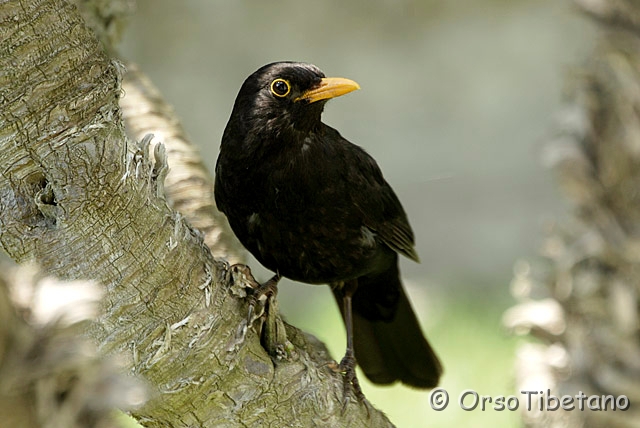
(280, 88)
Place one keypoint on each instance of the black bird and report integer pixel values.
(315, 208)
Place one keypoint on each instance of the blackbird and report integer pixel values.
(315, 208)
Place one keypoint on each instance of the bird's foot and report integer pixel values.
(347, 368)
(273, 335)
(244, 283)
(262, 305)
(261, 293)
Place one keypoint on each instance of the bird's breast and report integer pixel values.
(304, 226)
(296, 211)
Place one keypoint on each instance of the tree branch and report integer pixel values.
(85, 202)
(189, 187)
(49, 375)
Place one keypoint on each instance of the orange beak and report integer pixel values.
(330, 87)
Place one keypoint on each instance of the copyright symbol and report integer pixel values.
(439, 399)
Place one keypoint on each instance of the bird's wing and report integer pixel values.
(384, 214)
(379, 205)
(398, 235)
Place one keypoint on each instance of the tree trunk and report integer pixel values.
(582, 300)
(84, 201)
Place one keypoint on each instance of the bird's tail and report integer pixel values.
(389, 344)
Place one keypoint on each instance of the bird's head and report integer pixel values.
(285, 98)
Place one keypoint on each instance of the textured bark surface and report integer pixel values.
(188, 186)
(83, 201)
(582, 301)
(51, 376)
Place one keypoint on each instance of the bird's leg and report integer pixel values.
(260, 295)
(348, 363)
(261, 302)
(273, 336)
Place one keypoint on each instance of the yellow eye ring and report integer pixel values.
(280, 88)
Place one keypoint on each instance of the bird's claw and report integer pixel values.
(244, 283)
(261, 299)
(347, 368)
(260, 294)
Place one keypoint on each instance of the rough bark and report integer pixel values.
(188, 186)
(83, 201)
(50, 376)
(582, 300)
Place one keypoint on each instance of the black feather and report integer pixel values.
(315, 208)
